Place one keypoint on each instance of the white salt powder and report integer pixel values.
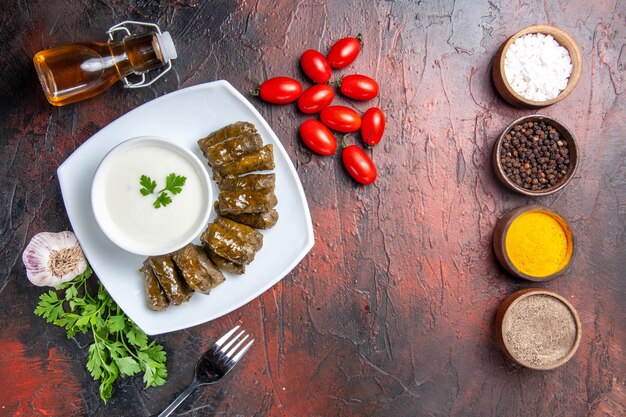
(537, 67)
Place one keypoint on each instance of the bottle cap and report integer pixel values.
(167, 46)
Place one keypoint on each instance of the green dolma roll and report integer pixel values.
(225, 264)
(232, 149)
(165, 271)
(244, 201)
(252, 182)
(261, 160)
(232, 130)
(236, 244)
(244, 233)
(155, 296)
(265, 220)
(197, 269)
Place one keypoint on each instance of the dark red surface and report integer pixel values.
(392, 312)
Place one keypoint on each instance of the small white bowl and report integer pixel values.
(140, 242)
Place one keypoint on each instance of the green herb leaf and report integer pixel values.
(162, 200)
(156, 353)
(119, 347)
(136, 337)
(127, 366)
(155, 375)
(116, 349)
(147, 185)
(70, 293)
(174, 183)
(116, 323)
(49, 307)
(95, 363)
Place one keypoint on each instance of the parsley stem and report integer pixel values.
(130, 351)
(84, 285)
(95, 342)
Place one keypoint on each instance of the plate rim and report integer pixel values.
(310, 237)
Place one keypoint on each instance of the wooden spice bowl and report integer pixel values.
(572, 147)
(506, 313)
(502, 84)
(499, 242)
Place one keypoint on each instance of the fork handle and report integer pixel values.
(170, 409)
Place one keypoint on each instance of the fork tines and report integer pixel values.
(224, 343)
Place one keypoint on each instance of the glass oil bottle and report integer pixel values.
(82, 70)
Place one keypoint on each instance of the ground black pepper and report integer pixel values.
(534, 156)
(540, 330)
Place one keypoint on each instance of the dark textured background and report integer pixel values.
(392, 312)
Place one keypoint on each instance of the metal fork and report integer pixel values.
(214, 364)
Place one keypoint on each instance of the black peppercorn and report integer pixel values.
(534, 156)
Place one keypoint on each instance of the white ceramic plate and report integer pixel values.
(184, 116)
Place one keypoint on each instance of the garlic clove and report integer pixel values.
(53, 258)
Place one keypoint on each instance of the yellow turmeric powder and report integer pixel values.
(538, 244)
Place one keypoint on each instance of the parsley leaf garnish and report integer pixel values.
(173, 184)
(162, 200)
(147, 185)
(119, 347)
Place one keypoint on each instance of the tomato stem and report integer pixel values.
(366, 140)
(359, 38)
(256, 91)
(344, 140)
(337, 82)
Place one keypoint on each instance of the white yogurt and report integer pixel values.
(130, 218)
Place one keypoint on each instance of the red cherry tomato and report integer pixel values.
(317, 137)
(344, 51)
(359, 165)
(279, 90)
(341, 118)
(315, 99)
(315, 66)
(373, 126)
(359, 87)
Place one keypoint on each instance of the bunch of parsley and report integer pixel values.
(119, 347)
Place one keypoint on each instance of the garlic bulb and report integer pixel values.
(53, 258)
